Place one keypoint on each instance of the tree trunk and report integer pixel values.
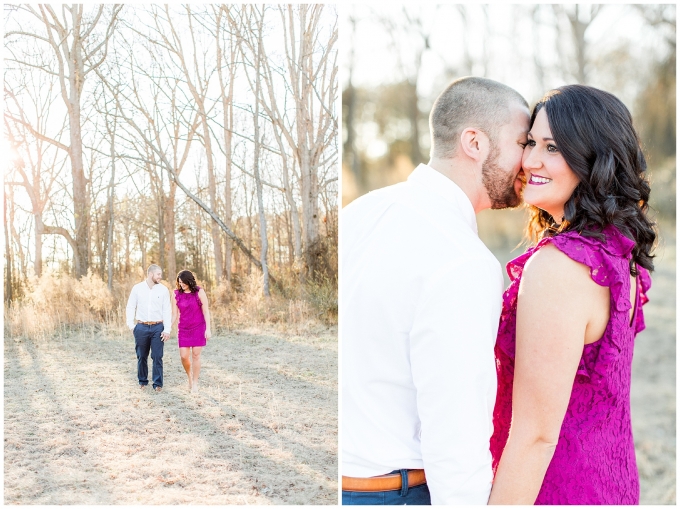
(81, 209)
(161, 208)
(309, 187)
(295, 216)
(22, 258)
(256, 166)
(228, 112)
(8, 256)
(37, 264)
(170, 240)
(414, 117)
(212, 192)
(112, 194)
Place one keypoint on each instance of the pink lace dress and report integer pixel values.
(594, 462)
(191, 327)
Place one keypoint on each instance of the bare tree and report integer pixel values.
(580, 17)
(198, 84)
(264, 245)
(79, 47)
(38, 180)
(149, 138)
(9, 272)
(106, 178)
(226, 59)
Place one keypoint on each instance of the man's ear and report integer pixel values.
(474, 143)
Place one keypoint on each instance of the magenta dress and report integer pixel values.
(594, 461)
(191, 327)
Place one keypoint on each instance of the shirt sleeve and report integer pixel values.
(453, 367)
(130, 308)
(167, 314)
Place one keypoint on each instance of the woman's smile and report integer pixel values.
(537, 180)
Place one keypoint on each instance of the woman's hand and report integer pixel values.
(208, 334)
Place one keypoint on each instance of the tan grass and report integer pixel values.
(55, 303)
(653, 393)
(263, 430)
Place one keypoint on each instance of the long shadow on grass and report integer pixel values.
(221, 445)
(47, 473)
(276, 371)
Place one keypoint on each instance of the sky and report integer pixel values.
(504, 37)
(508, 41)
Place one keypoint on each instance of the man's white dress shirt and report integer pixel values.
(149, 305)
(420, 303)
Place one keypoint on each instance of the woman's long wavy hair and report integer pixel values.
(594, 133)
(187, 277)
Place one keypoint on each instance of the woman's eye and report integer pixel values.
(552, 148)
(530, 143)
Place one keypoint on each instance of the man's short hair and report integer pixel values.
(153, 268)
(469, 102)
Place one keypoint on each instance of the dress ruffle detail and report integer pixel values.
(607, 262)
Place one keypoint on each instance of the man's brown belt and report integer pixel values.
(149, 323)
(387, 482)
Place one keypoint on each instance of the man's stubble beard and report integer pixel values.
(499, 185)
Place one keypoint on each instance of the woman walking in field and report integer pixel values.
(190, 305)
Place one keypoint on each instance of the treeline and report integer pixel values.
(550, 45)
(196, 136)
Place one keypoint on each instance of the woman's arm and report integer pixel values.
(175, 310)
(206, 312)
(556, 303)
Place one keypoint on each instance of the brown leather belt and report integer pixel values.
(387, 482)
(150, 323)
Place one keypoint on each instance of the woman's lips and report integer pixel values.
(537, 180)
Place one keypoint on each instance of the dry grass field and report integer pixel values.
(653, 398)
(263, 430)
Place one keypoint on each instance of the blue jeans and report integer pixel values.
(148, 337)
(418, 495)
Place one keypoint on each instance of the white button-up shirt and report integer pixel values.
(149, 305)
(420, 300)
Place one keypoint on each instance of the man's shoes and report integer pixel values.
(158, 389)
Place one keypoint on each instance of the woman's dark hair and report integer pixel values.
(188, 279)
(594, 133)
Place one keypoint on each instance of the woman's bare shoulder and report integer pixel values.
(550, 270)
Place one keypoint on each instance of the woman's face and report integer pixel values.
(182, 284)
(550, 181)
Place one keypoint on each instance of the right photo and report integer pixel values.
(507, 255)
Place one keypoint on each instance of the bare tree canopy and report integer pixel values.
(191, 136)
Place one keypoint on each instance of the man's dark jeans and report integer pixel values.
(148, 337)
(418, 495)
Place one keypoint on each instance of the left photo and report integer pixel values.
(171, 254)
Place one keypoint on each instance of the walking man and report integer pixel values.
(148, 315)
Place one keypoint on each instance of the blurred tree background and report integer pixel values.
(397, 59)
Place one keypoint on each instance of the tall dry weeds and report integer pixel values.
(55, 303)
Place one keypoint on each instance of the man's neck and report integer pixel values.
(465, 177)
(150, 282)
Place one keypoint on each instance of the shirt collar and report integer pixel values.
(446, 188)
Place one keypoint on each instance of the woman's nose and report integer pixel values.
(529, 160)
